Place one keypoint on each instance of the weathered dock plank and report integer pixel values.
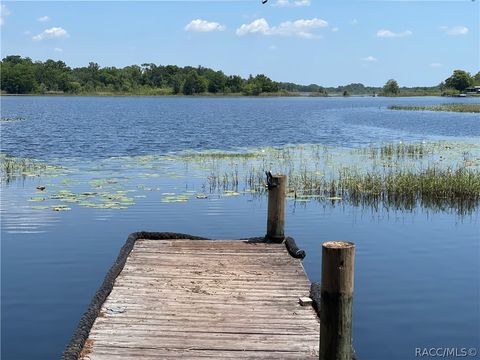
(208, 299)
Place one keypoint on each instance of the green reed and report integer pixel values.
(470, 108)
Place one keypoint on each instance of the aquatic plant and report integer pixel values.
(440, 175)
(11, 167)
(11, 119)
(469, 108)
(398, 150)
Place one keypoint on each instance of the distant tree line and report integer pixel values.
(457, 82)
(21, 75)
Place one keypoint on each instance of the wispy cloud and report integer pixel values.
(272, 47)
(200, 25)
(455, 30)
(370, 59)
(390, 34)
(300, 28)
(58, 49)
(354, 22)
(294, 3)
(3, 12)
(43, 18)
(335, 29)
(435, 65)
(54, 32)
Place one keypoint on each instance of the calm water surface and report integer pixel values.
(417, 272)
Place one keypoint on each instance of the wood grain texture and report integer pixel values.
(209, 299)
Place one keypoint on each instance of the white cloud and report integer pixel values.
(43, 18)
(3, 12)
(435, 65)
(54, 32)
(456, 30)
(301, 28)
(57, 49)
(390, 34)
(370, 59)
(295, 3)
(257, 26)
(272, 47)
(199, 25)
(335, 29)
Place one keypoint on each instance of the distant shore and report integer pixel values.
(218, 95)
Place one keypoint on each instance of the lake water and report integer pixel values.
(417, 270)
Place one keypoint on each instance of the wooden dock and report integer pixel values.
(218, 299)
(177, 296)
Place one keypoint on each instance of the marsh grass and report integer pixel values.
(398, 150)
(468, 108)
(12, 167)
(401, 175)
(437, 175)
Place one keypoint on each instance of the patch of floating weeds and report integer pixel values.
(230, 193)
(12, 167)
(469, 108)
(439, 175)
(175, 199)
(51, 207)
(61, 208)
(12, 119)
(37, 199)
(40, 207)
(100, 200)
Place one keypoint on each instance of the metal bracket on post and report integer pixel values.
(271, 183)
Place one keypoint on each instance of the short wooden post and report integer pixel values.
(277, 185)
(336, 300)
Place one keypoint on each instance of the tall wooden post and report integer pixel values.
(277, 185)
(336, 300)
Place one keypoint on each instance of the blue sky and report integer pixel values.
(304, 41)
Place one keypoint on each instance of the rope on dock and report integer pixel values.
(80, 336)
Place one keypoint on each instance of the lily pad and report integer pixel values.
(37, 199)
(60, 208)
(230, 193)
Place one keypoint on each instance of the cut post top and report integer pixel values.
(338, 244)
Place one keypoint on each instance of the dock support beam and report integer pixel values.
(277, 185)
(336, 300)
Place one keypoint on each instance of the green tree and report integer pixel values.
(18, 77)
(476, 79)
(216, 82)
(459, 80)
(194, 84)
(235, 83)
(391, 87)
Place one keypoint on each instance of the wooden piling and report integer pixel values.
(336, 300)
(277, 185)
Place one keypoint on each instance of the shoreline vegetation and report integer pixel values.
(466, 108)
(441, 176)
(23, 76)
